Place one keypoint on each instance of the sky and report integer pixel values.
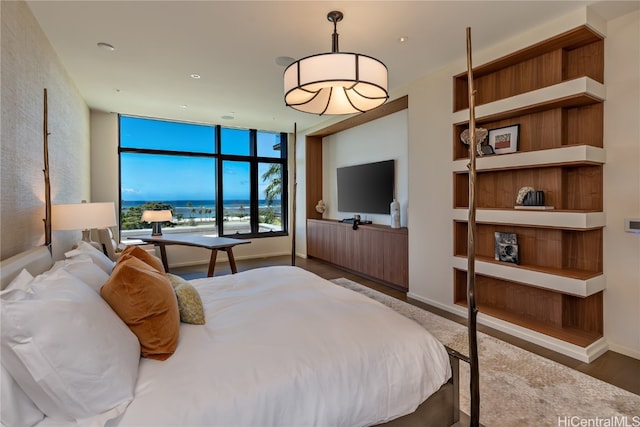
(161, 177)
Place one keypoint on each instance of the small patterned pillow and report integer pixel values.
(189, 301)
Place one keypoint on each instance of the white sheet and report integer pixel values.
(284, 347)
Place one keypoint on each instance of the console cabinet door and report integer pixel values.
(375, 251)
(396, 256)
(321, 240)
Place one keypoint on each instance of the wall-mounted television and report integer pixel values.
(366, 188)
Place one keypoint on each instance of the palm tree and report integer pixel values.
(274, 176)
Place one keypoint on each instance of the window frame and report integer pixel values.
(254, 162)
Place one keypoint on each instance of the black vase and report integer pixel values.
(534, 198)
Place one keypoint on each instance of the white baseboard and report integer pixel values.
(584, 354)
(624, 350)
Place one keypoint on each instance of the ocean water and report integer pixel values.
(197, 208)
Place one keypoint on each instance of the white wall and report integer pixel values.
(622, 183)
(431, 188)
(29, 65)
(382, 139)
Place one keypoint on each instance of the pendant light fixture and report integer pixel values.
(335, 82)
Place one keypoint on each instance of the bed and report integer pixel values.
(280, 346)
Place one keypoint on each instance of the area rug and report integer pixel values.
(517, 387)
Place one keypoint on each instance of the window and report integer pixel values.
(188, 168)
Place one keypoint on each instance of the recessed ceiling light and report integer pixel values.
(403, 39)
(194, 75)
(106, 46)
(184, 106)
(229, 116)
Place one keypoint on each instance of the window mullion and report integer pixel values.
(219, 172)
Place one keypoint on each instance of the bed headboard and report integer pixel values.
(35, 260)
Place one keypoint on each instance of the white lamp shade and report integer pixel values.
(83, 216)
(335, 83)
(157, 216)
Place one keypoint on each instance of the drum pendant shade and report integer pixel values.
(335, 82)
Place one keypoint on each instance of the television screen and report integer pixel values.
(366, 188)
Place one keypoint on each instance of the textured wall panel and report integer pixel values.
(28, 65)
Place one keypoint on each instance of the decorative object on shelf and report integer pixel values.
(83, 216)
(504, 140)
(534, 198)
(481, 136)
(522, 193)
(530, 198)
(321, 206)
(535, 208)
(394, 208)
(486, 149)
(335, 82)
(506, 247)
(156, 218)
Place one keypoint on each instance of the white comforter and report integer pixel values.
(284, 347)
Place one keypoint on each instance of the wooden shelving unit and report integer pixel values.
(555, 91)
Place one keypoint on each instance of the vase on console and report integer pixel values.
(394, 208)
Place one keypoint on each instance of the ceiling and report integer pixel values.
(233, 46)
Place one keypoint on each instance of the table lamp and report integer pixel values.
(83, 216)
(156, 218)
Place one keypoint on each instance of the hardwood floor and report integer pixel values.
(614, 368)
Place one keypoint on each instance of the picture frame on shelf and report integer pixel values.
(506, 247)
(505, 139)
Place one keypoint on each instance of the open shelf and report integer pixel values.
(563, 252)
(579, 92)
(573, 220)
(577, 52)
(549, 127)
(571, 188)
(572, 282)
(563, 156)
(572, 319)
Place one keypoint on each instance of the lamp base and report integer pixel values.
(156, 229)
(86, 237)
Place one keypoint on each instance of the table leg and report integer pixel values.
(212, 262)
(232, 260)
(163, 256)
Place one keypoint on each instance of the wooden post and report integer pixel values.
(47, 182)
(293, 196)
(471, 251)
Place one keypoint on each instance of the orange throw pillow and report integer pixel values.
(143, 255)
(144, 299)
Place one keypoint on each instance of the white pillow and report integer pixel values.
(99, 258)
(83, 268)
(21, 281)
(17, 409)
(68, 351)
